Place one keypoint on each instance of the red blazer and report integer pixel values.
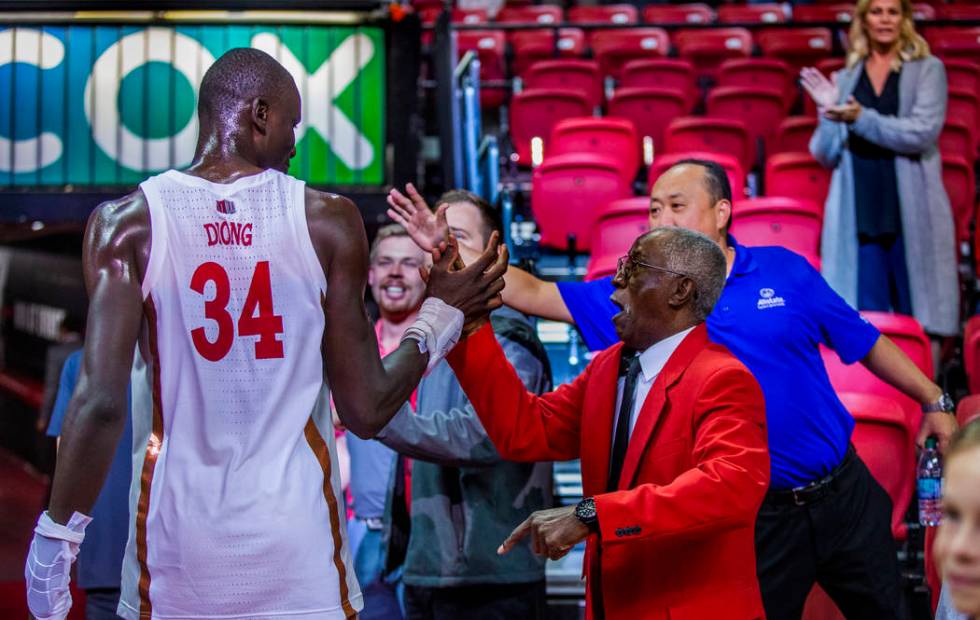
(676, 540)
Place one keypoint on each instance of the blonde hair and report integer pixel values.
(964, 440)
(911, 45)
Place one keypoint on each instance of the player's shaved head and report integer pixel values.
(248, 106)
(237, 78)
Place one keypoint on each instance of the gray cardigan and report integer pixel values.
(927, 220)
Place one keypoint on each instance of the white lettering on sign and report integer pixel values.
(39, 320)
(126, 55)
(44, 51)
(322, 87)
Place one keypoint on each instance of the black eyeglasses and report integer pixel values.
(627, 264)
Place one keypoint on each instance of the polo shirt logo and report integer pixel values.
(768, 299)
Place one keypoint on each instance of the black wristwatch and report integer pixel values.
(585, 512)
(944, 404)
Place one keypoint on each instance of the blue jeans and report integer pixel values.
(382, 593)
(883, 276)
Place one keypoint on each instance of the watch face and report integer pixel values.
(947, 404)
(585, 510)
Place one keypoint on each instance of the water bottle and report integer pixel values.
(930, 484)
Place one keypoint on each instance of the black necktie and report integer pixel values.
(630, 366)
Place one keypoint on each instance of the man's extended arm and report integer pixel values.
(523, 426)
(97, 413)
(893, 366)
(368, 392)
(454, 436)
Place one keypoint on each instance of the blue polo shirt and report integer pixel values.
(100, 557)
(773, 313)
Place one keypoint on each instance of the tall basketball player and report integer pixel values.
(241, 291)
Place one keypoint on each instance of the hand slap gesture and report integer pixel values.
(473, 289)
(427, 229)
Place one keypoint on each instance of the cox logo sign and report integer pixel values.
(106, 105)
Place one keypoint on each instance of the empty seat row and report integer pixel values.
(692, 13)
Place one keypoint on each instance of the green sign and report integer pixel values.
(111, 105)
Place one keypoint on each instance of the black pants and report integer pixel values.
(842, 541)
(478, 602)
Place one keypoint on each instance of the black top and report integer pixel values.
(875, 181)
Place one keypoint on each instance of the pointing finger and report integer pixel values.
(520, 532)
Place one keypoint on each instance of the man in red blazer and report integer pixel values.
(671, 432)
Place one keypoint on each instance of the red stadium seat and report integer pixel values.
(761, 109)
(797, 175)
(971, 353)
(965, 12)
(955, 42)
(567, 74)
(968, 409)
(963, 74)
(604, 14)
(650, 109)
(799, 47)
(530, 46)
(709, 48)
(567, 194)
(429, 14)
(618, 226)
(614, 48)
(828, 66)
(691, 13)
(613, 137)
(908, 336)
(711, 135)
(956, 140)
(922, 11)
(961, 188)
(793, 135)
(886, 444)
(534, 112)
(760, 72)
(751, 13)
(823, 13)
(530, 14)
(490, 47)
(964, 104)
(736, 176)
(669, 73)
(787, 222)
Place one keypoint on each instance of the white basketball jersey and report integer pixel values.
(235, 506)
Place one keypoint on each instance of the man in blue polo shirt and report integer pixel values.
(825, 519)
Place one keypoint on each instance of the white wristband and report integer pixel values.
(436, 330)
(47, 571)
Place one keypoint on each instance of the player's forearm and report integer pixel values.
(88, 444)
(379, 391)
(892, 365)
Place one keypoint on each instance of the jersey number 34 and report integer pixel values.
(257, 319)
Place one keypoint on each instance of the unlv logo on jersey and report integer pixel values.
(225, 206)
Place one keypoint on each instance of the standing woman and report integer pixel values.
(887, 212)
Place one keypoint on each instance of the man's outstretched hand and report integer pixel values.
(553, 532)
(427, 229)
(475, 288)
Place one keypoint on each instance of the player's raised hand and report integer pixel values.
(474, 289)
(427, 229)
